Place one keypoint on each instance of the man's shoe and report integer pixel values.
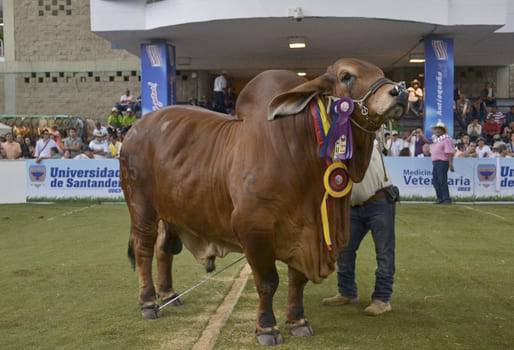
(340, 300)
(377, 307)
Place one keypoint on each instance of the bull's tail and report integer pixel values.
(131, 255)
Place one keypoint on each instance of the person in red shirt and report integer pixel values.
(491, 127)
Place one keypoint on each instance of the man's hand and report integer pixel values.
(452, 169)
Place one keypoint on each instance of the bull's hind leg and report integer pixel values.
(143, 235)
(298, 325)
(168, 244)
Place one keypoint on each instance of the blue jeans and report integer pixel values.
(440, 180)
(377, 216)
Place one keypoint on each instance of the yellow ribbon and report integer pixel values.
(324, 117)
(329, 191)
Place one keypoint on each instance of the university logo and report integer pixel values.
(440, 50)
(486, 173)
(37, 173)
(154, 55)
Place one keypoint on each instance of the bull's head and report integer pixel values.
(376, 97)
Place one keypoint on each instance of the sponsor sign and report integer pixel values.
(438, 83)
(158, 71)
(52, 179)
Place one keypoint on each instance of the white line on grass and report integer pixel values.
(71, 212)
(486, 212)
(220, 318)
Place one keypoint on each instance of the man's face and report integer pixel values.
(89, 154)
(465, 139)
(419, 131)
(127, 92)
(475, 121)
(73, 133)
(439, 131)
(19, 139)
(8, 138)
(481, 143)
(46, 135)
(98, 138)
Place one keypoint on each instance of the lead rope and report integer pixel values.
(383, 166)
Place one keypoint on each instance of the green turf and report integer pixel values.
(65, 283)
(454, 289)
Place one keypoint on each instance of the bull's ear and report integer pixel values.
(295, 100)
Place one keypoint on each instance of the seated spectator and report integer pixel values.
(394, 145)
(67, 155)
(114, 119)
(125, 101)
(114, 147)
(99, 145)
(498, 116)
(99, 128)
(490, 128)
(405, 152)
(462, 111)
(416, 140)
(487, 95)
(44, 146)
(87, 154)
(425, 151)
(72, 144)
(507, 131)
(12, 149)
(510, 115)
(471, 152)
(474, 129)
(32, 148)
(56, 136)
(478, 110)
(415, 98)
(25, 150)
(460, 150)
(54, 153)
(465, 140)
(483, 150)
(500, 150)
(128, 119)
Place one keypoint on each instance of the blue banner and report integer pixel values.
(438, 83)
(158, 76)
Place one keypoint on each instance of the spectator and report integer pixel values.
(500, 150)
(44, 146)
(99, 145)
(474, 129)
(114, 119)
(125, 101)
(220, 87)
(425, 151)
(394, 145)
(462, 111)
(56, 136)
(510, 115)
(415, 98)
(99, 128)
(465, 141)
(416, 141)
(442, 151)
(507, 131)
(67, 155)
(114, 147)
(32, 149)
(460, 150)
(72, 144)
(478, 110)
(25, 149)
(12, 149)
(2, 152)
(483, 151)
(55, 154)
(490, 128)
(87, 154)
(405, 152)
(497, 116)
(510, 144)
(471, 151)
(128, 119)
(488, 95)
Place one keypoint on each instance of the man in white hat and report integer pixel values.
(394, 144)
(442, 151)
(99, 145)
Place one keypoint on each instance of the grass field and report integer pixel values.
(66, 284)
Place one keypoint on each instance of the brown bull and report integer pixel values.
(252, 184)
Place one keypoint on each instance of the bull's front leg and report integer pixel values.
(298, 325)
(260, 256)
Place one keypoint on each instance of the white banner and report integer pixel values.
(53, 179)
(473, 178)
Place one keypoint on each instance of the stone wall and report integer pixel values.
(58, 30)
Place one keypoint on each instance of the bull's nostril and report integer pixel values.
(394, 91)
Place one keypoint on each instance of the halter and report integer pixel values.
(399, 88)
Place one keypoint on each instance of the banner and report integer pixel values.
(158, 73)
(473, 178)
(54, 179)
(438, 83)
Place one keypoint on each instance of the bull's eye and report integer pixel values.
(346, 78)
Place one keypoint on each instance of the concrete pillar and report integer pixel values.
(502, 82)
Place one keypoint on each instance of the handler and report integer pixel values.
(372, 208)
(442, 151)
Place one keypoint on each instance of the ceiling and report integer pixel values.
(247, 46)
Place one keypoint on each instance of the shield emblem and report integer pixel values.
(37, 173)
(486, 172)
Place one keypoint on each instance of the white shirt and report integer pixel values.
(395, 146)
(220, 83)
(485, 152)
(99, 146)
(43, 151)
(125, 100)
(372, 182)
(81, 156)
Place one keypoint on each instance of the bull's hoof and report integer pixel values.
(269, 336)
(210, 266)
(300, 328)
(150, 312)
(177, 302)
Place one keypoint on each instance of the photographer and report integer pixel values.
(373, 208)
